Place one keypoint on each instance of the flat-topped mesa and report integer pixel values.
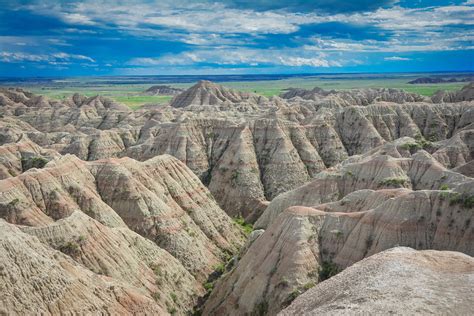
(355, 96)
(208, 93)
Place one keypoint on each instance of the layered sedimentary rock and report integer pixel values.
(386, 282)
(209, 93)
(332, 177)
(38, 279)
(246, 149)
(151, 225)
(402, 163)
(354, 97)
(303, 245)
(162, 90)
(20, 156)
(465, 94)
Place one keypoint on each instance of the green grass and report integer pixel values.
(246, 227)
(130, 94)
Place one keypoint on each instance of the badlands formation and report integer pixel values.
(358, 200)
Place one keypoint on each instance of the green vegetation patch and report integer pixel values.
(394, 182)
(465, 200)
(328, 269)
(246, 227)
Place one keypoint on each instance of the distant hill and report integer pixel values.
(425, 80)
(162, 90)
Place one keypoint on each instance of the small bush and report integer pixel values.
(69, 248)
(156, 296)
(209, 286)
(444, 187)
(247, 228)
(411, 146)
(328, 269)
(308, 285)
(394, 182)
(173, 296)
(261, 309)
(463, 199)
(220, 268)
(291, 297)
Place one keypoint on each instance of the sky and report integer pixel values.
(177, 37)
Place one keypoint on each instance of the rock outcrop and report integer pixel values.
(38, 279)
(151, 225)
(465, 94)
(385, 283)
(304, 246)
(209, 93)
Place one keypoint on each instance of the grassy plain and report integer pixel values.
(131, 94)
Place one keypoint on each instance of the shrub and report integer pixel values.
(444, 187)
(463, 199)
(156, 296)
(14, 202)
(411, 146)
(209, 286)
(394, 182)
(328, 269)
(69, 248)
(308, 285)
(33, 162)
(261, 309)
(291, 297)
(174, 297)
(247, 228)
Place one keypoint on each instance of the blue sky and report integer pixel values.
(146, 37)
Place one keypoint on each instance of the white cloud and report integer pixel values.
(54, 59)
(239, 56)
(397, 58)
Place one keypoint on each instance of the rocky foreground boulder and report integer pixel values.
(398, 281)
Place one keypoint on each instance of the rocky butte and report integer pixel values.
(367, 192)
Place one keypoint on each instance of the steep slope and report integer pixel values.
(303, 246)
(390, 166)
(122, 254)
(38, 279)
(160, 199)
(385, 283)
(209, 93)
(162, 90)
(354, 97)
(18, 157)
(465, 94)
